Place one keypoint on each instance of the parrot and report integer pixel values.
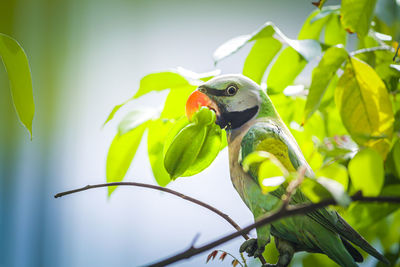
(252, 124)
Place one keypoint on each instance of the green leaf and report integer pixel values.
(366, 172)
(336, 189)
(363, 215)
(323, 188)
(270, 176)
(176, 79)
(174, 106)
(19, 74)
(309, 49)
(335, 171)
(135, 118)
(257, 157)
(288, 65)
(158, 130)
(365, 106)
(356, 15)
(260, 56)
(334, 32)
(312, 28)
(322, 76)
(120, 154)
(396, 157)
(114, 110)
(160, 81)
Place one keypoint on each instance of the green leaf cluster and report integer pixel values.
(175, 145)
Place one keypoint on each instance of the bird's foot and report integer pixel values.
(252, 248)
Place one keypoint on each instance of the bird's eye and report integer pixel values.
(231, 90)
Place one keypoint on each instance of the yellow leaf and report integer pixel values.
(365, 107)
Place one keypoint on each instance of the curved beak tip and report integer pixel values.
(196, 100)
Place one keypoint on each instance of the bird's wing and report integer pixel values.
(272, 136)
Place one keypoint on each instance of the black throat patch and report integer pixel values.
(233, 120)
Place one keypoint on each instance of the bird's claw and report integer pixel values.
(251, 247)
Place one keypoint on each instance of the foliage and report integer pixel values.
(19, 74)
(346, 120)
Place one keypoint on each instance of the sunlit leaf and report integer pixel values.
(334, 32)
(323, 188)
(356, 15)
(314, 190)
(396, 157)
(160, 81)
(174, 106)
(362, 215)
(287, 66)
(312, 28)
(322, 76)
(336, 189)
(260, 56)
(366, 172)
(114, 111)
(335, 171)
(19, 74)
(365, 106)
(257, 157)
(156, 137)
(136, 117)
(308, 49)
(120, 154)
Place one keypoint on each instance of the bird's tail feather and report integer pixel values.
(351, 235)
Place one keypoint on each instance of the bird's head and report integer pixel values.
(234, 98)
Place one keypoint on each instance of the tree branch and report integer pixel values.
(167, 190)
(159, 188)
(280, 214)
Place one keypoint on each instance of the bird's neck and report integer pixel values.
(267, 109)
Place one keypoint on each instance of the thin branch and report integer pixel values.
(167, 190)
(280, 214)
(372, 49)
(159, 188)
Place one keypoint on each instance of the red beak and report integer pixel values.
(195, 101)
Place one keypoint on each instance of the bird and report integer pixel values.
(252, 124)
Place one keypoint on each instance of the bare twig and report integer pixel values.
(289, 211)
(167, 190)
(293, 185)
(159, 188)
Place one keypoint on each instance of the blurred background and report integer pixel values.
(86, 57)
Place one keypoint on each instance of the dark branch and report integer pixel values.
(159, 188)
(167, 190)
(281, 213)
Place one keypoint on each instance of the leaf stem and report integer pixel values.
(372, 49)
